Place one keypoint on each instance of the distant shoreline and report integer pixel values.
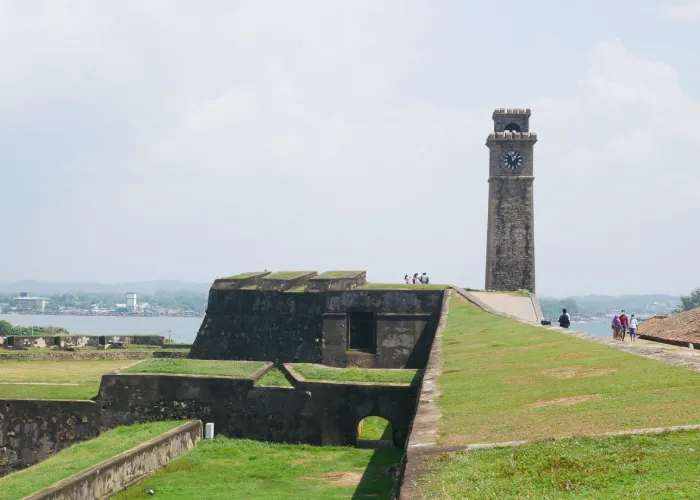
(107, 314)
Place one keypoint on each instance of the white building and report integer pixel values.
(131, 301)
(30, 303)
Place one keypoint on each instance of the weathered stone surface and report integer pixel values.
(321, 284)
(64, 341)
(319, 413)
(510, 253)
(311, 327)
(32, 430)
(119, 472)
(97, 354)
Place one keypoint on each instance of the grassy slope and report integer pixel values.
(501, 381)
(653, 466)
(311, 372)
(85, 374)
(227, 468)
(239, 369)
(79, 457)
(274, 378)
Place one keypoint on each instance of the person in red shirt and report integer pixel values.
(624, 323)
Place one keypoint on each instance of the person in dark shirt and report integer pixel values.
(624, 323)
(564, 319)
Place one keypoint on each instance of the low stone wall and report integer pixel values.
(65, 341)
(679, 343)
(32, 430)
(109, 354)
(318, 413)
(112, 475)
(170, 354)
(36, 341)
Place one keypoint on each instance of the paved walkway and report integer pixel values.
(503, 305)
(516, 306)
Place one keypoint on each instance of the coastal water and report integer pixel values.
(601, 328)
(182, 329)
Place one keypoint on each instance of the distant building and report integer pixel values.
(131, 301)
(121, 308)
(25, 303)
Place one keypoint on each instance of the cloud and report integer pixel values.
(687, 12)
(618, 166)
(163, 139)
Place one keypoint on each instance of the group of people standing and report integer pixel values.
(417, 280)
(621, 324)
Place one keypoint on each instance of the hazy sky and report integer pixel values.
(191, 140)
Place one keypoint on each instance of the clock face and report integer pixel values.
(512, 160)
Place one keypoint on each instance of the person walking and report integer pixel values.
(616, 327)
(407, 279)
(415, 278)
(424, 279)
(633, 328)
(564, 319)
(624, 323)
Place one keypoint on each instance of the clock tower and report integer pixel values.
(510, 241)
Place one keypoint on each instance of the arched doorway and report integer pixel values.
(375, 432)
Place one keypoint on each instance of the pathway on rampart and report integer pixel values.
(510, 306)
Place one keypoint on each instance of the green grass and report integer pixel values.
(503, 380)
(299, 288)
(244, 275)
(329, 275)
(399, 286)
(80, 457)
(286, 275)
(240, 369)
(68, 379)
(274, 378)
(375, 428)
(644, 466)
(321, 373)
(228, 468)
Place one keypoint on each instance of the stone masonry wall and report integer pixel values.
(311, 327)
(315, 413)
(510, 260)
(510, 253)
(31, 431)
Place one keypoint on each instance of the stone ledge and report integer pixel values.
(422, 436)
(512, 111)
(119, 472)
(511, 136)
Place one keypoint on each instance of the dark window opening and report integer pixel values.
(362, 332)
(513, 127)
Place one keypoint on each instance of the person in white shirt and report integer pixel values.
(633, 328)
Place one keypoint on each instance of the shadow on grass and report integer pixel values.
(380, 474)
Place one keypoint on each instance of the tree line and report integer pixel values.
(185, 301)
(691, 301)
(8, 329)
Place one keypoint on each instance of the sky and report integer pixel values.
(186, 140)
